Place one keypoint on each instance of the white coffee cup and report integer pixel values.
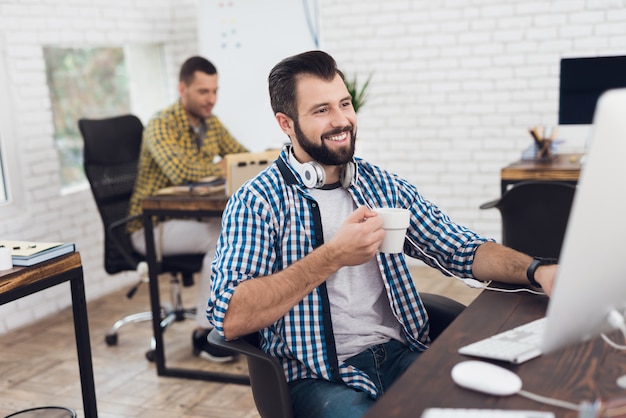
(6, 263)
(395, 223)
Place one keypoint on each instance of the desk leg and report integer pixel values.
(83, 345)
(155, 301)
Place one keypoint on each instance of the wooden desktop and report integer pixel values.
(563, 167)
(581, 372)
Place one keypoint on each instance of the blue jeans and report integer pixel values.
(316, 398)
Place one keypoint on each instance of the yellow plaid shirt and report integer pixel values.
(170, 155)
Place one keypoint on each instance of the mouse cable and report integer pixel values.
(598, 408)
(549, 401)
(617, 321)
(473, 283)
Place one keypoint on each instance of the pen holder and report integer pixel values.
(543, 144)
(544, 150)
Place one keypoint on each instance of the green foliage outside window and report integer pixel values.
(83, 83)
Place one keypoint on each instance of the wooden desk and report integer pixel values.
(580, 372)
(23, 281)
(177, 206)
(564, 167)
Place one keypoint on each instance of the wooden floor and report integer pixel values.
(38, 363)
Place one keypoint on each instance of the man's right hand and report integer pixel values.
(358, 238)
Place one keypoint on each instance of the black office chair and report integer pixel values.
(534, 216)
(111, 154)
(267, 378)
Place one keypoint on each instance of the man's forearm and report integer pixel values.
(499, 263)
(496, 262)
(259, 302)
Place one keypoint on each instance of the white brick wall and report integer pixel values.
(41, 211)
(457, 83)
(455, 86)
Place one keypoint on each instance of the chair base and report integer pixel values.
(111, 337)
(45, 412)
(167, 320)
(175, 312)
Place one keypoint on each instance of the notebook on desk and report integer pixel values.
(29, 253)
(591, 277)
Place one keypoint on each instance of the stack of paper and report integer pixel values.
(203, 187)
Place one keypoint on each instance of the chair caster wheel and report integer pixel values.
(111, 339)
(150, 355)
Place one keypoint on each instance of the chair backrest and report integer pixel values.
(534, 216)
(110, 158)
(442, 311)
(267, 378)
(268, 383)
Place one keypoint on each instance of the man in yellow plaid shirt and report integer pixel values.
(183, 143)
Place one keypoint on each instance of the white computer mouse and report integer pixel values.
(486, 377)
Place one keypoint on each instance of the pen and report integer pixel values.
(535, 136)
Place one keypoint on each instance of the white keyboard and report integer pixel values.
(483, 413)
(517, 345)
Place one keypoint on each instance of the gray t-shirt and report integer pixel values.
(359, 306)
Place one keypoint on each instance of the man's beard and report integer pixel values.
(321, 153)
(194, 109)
(194, 114)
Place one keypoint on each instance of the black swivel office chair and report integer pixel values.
(267, 378)
(111, 155)
(534, 216)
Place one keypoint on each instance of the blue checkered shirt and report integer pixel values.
(272, 222)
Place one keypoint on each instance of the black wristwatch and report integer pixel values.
(537, 261)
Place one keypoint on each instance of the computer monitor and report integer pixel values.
(591, 278)
(582, 81)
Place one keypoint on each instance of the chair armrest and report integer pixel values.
(112, 235)
(490, 204)
(240, 345)
(122, 222)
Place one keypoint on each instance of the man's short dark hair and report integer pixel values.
(283, 77)
(194, 64)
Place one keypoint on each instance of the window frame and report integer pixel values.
(8, 149)
(144, 64)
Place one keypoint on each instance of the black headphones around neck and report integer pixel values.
(313, 175)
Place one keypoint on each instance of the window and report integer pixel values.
(83, 83)
(97, 83)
